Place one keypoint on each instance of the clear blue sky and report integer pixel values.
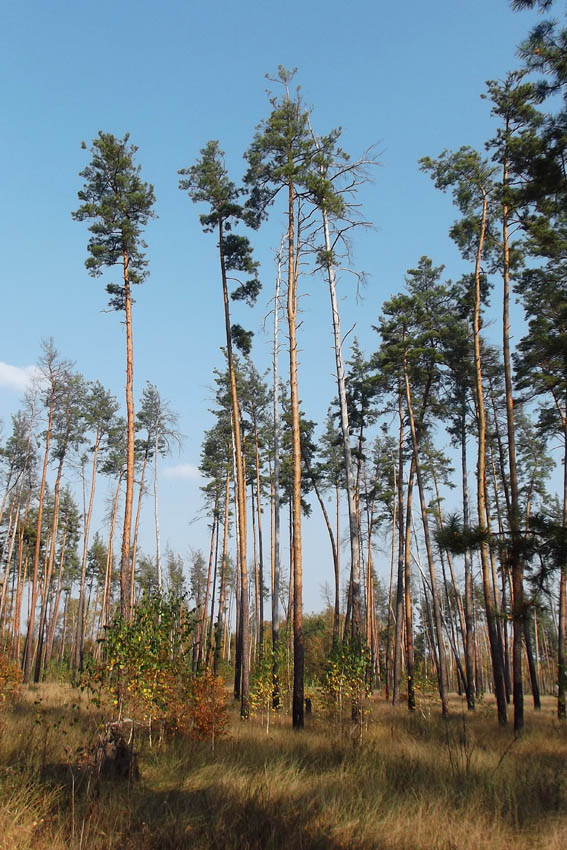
(406, 77)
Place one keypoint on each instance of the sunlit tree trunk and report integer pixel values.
(276, 498)
(442, 667)
(29, 644)
(79, 639)
(126, 571)
(497, 669)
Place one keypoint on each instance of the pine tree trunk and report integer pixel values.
(137, 527)
(497, 669)
(298, 644)
(210, 639)
(105, 610)
(408, 607)
(222, 590)
(56, 604)
(29, 644)
(202, 638)
(79, 639)
(241, 498)
(256, 567)
(399, 616)
(126, 573)
(354, 524)
(442, 665)
(49, 572)
(156, 518)
(260, 547)
(469, 615)
(388, 660)
(516, 561)
(562, 623)
(276, 506)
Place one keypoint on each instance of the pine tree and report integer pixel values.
(119, 204)
(280, 158)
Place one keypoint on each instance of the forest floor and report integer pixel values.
(400, 782)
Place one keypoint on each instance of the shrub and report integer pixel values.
(10, 680)
(208, 707)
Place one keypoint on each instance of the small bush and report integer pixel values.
(10, 680)
(208, 707)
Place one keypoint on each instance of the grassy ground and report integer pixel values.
(412, 783)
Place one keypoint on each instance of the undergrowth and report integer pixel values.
(414, 782)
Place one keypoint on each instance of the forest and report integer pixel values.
(154, 698)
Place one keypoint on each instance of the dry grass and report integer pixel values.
(414, 783)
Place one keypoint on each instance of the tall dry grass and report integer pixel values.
(413, 783)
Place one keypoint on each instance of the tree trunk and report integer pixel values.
(79, 640)
(49, 572)
(442, 665)
(137, 527)
(202, 637)
(29, 645)
(469, 615)
(222, 590)
(276, 497)
(260, 548)
(410, 661)
(399, 616)
(56, 603)
(562, 624)
(126, 573)
(241, 496)
(354, 524)
(298, 645)
(497, 670)
(105, 610)
(156, 518)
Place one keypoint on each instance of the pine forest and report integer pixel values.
(353, 634)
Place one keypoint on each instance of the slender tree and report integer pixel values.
(99, 413)
(471, 179)
(281, 158)
(119, 204)
(207, 182)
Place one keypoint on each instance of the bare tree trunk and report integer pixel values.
(442, 665)
(79, 640)
(391, 615)
(562, 624)
(222, 590)
(137, 527)
(126, 572)
(56, 603)
(276, 498)
(298, 644)
(481, 483)
(354, 524)
(105, 609)
(469, 615)
(241, 497)
(156, 518)
(260, 548)
(410, 662)
(399, 615)
(29, 645)
(210, 640)
(202, 638)
(256, 569)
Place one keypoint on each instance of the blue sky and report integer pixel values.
(405, 77)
